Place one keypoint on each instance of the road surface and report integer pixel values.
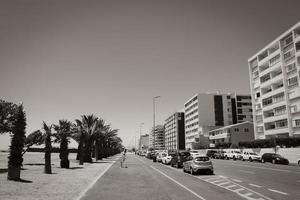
(143, 179)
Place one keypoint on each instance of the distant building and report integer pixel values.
(241, 132)
(157, 137)
(144, 142)
(207, 111)
(274, 82)
(174, 132)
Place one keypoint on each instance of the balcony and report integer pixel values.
(275, 118)
(276, 131)
(294, 94)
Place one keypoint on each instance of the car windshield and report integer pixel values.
(185, 153)
(252, 153)
(201, 159)
(236, 152)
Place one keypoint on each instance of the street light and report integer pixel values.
(154, 120)
(140, 145)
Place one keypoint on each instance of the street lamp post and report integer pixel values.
(140, 143)
(156, 97)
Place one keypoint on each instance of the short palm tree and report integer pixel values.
(48, 147)
(89, 123)
(63, 132)
(15, 158)
(79, 137)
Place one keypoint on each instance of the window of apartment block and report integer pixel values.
(296, 123)
(291, 67)
(278, 97)
(293, 81)
(293, 108)
(281, 123)
(259, 129)
(257, 95)
(288, 40)
(297, 46)
(246, 129)
(280, 110)
(274, 60)
(265, 78)
(289, 55)
(267, 101)
(240, 110)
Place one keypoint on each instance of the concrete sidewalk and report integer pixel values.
(63, 184)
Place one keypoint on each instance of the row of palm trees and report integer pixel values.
(95, 138)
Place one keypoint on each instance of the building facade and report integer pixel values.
(233, 134)
(174, 132)
(157, 137)
(207, 111)
(144, 142)
(274, 82)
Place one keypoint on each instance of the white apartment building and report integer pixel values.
(157, 137)
(207, 111)
(144, 142)
(274, 83)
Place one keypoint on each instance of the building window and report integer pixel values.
(236, 130)
(246, 130)
(274, 60)
(291, 67)
(281, 123)
(257, 94)
(293, 81)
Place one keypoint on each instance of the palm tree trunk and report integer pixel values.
(97, 150)
(81, 149)
(48, 155)
(64, 153)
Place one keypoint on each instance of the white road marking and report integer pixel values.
(82, 193)
(248, 172)
(284, 193)
(183, 186)
(236, 180)
(217, 181)
(230, 186)
(257, 186)
(224, 183)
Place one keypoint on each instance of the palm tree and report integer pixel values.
(63, 132)
(48, 148)
(15, 158)
(108, 139)
(98, 137)
(89, 123)
(8, 112)
(79, 137)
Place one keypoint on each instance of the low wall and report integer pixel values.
(292, 154)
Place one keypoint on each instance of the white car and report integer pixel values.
(233, 154)
(160, 156)
(194, 153)
(167, 159)
(251, 156)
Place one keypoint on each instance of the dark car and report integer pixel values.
(211, 153)
(274, 158)
(179, 158)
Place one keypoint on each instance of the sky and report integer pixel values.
(66, 58)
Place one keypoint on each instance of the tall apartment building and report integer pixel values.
(157, 137)
(144, 142)
(174, 132)
(274, 81)
(205, 112)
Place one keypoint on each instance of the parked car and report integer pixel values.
(251, 156)
(196, 164)
(194, 153)
(274, 158)
(211, 153)
(160, 156)
(233, 154)
(167, 159)
(179, 158)
(219, 155)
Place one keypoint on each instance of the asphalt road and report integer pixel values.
(143, 179)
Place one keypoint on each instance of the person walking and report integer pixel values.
(123, 158)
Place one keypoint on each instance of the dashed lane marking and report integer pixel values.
(183, 186)
(236, 180)
(257, 186)
(248, 172)
(250, 166)
(279, 192)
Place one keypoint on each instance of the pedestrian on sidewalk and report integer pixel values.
(123, 157)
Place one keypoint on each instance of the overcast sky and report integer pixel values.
(65, 58)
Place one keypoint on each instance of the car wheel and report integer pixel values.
(183, 169)
(226, 158)
(273, 162)
(299, 163)
(211, 172)
(263, 160)
(234, 158)
(192, 171)
(250, 159)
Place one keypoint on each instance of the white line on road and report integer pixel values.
(94, 181)
(248, 172)
(279, 170)
(236, 180)
(194, 193)
(257, 186)
(284, 193)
